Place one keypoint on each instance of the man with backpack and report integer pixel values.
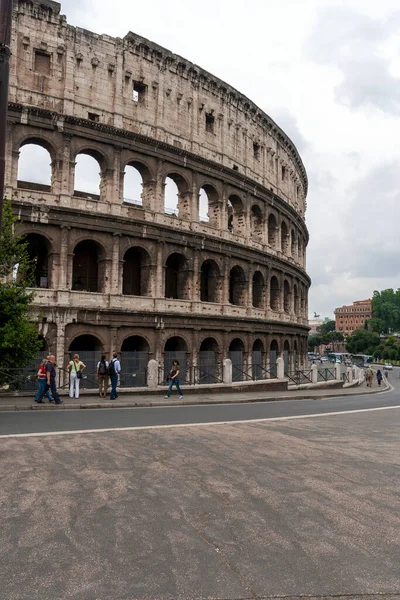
(114, 369)
(102, 375)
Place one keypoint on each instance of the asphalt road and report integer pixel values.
(25, 422)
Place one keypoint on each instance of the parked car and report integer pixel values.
(388, 366)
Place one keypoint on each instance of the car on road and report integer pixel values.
(388, 366)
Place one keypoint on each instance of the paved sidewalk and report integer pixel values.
(126, 400)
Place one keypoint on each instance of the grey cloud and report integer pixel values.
(350, 41)
(289, 124)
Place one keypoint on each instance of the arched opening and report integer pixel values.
(273, 356)
(237, 286)
(88, 177)
(236, 355)
(210, 289)
(284, 238)
(87, 275)
(258, 290)
(133, 185)
(34, 167)
(136, 272)
(258, 360)
(171, 197)
(296, 299)
(209, 371)
(135, 357)
(39, 275)
(176, 349)
(272, 231)
(209, 206)
(236, 221)
(89, 348)
(274, 294)
(256, 223)
(286, 352)
(177, 277)
(295, 356)
(286, 296)
(293, 244)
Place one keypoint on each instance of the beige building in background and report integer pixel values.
(129, 274)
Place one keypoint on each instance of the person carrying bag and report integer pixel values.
(75, 368)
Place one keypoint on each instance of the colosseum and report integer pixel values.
(192, 245)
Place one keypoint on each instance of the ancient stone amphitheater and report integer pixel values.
(193, 243)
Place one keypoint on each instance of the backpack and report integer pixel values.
(111, 368)
(102, 368)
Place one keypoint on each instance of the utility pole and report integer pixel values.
(5, 42)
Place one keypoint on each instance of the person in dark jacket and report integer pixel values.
(379, 376)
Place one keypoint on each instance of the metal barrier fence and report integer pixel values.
(300, 377)
(326, 374)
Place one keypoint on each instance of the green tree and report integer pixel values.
(376, 325)
(362, 341)
(386, 306)
(19, 341)
(326, 327)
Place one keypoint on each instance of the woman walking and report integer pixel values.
(42, 379)
(75, 368)
(174, 380)
(379, 376)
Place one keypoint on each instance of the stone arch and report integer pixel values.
(236, 354)
(35, 165)
(136, 272)
(86, 342)
(40, 252)
(209, 206)
(209, 369)
(89, 347)
(88, 268)
(286, 296)
(284, 238)
(177, 197)
(135, 350)
(176, 348)
(258, 290)
(274, 294)
(273, 356)
(256, 223)
(236, 219)
(258, 360)
(272, 231)
(210, 282)
(177, 277)
(237, 286)
(90, 173)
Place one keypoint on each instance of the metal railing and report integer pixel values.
(299, 377)
(326, 374)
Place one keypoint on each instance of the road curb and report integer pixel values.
(160, 403)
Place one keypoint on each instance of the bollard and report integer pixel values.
(227, 371)
(314, 374)
(338, 372)
(350, 374)
(280, 368)
(152, 374)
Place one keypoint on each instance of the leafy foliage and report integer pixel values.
(326, 327)
(362, 341)
(19, 342)
(386, 307)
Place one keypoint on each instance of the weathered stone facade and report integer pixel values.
(119, 271)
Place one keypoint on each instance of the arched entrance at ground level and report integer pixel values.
(177, 277)
(134, 360)
(286, 356)
(176, 349)
(89, 348)
(236, 355)
(209, 369)
(38, 248)
(136, 272)
(210, 289)
(257, 362)
(86, 275)
(273, 356)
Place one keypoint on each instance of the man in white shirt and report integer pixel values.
(114, 370)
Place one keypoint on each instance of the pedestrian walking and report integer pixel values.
(102, 375)
(379, 377)
(51, 380)
(75, 368)
(114, 369)
(369, 376)
(42, 379)
(173, 378)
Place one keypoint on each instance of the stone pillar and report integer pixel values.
(196, 277)
(338, 373)
(152, 374)
(62, 283)
(106, 287)
(225, 284)
(280, 367)
(159, 292)
(227, 371)
(314, 374)
(113, 341)
(14, 170)
(195, 356)
(116, 187)
(60, 352)
(67, 168)
(349, 372)
(116, 279)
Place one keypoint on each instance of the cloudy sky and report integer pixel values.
(329, 73)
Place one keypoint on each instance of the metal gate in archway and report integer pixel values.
(272, 363)
(134, 369)
(286, 361)
(236, 356)
(169, 357)
(208, 371)
(257, 365)
(90, 358)
(25, 379)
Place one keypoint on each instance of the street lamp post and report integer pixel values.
(5, 41)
